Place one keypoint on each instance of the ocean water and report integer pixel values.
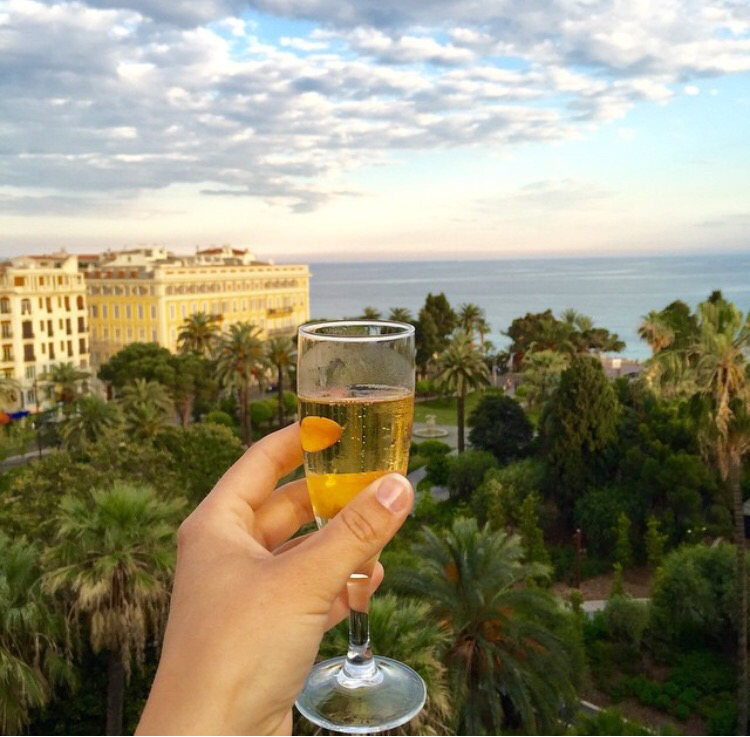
(615, 292)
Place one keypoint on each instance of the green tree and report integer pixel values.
(32, 663)
(370, 313)
(438, 307)
(460, 369)
(400, 314)
(467, 471)
(541, 376)
(200, 453)
(282, 355)
(427, 341)
(90, 418)
(147, 407)
(241, 362)
(64, 380)
(623, 546)
(198, 334)
(499, 425)
(532, 537)
(511, 660)
(714, 368)
(112, 561)
(580, 422)
(406, 630)
(187, 376)
(655, 541)
(146, 361)
(9, 392)
(655, 330)
(469, 318)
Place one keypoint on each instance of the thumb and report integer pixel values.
(355, 535)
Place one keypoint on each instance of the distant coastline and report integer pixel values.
(615, 291)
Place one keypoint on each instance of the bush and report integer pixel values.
(437, 470)
(500, 426)
(416, 461)
(466, 471)
(220, 418)
(722, 718)
(432, 448)
(425, 388)
(499, 498)
(262, 412)
(626, 620)
(597, 513)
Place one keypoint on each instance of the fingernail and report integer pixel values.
(393, 493)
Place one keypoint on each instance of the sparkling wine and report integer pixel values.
(374, 438)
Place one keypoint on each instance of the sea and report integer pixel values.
(615, 292)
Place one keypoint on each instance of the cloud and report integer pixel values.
(547, 195)
(116, 97)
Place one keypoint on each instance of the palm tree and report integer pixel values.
(541, 374)
(31, 662)
(9, 389)
(469, 315)
(483, 327)
(655, 332)
(112, 561)
(460, 368)
(715, 371)
(240, 361)
(198, 334)
(282, 354)
(405, 629)
(400, 314)
(370, 313)
(147, 407)
(511, 661)
(64, 379)
(91, 418)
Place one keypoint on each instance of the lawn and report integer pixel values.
(444, 409)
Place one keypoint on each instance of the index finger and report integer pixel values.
(255, 475)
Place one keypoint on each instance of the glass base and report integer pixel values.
(393, 696)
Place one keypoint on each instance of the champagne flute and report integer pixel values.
(355, 383)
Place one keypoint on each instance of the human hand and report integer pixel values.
(246, 622)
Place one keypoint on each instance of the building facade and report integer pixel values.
(43, 321)
(145, 295)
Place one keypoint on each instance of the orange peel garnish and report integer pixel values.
(318, 433)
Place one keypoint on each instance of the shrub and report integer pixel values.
(466, 471)
(425, 388)
(722, 718)
(655, 541)
(437, 470)
(220, 418)
(416, 461)
(261, 412)
(626, 621)
(500, 426)
(597, 513)
(432, 448)
(499, 498)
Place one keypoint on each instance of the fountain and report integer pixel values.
(430, 429)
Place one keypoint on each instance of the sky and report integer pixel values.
(377, 129)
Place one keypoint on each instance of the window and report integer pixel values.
(142, 334)
(116, 311)
(183, 311)
(153, 336)
(6, 330)
(153, 312)
(8, 353)
(28, 330)
(31, 372)
(68, 327)
(5, 306)
(25, 306)
(128, 312)
(105, 333)
(104, 312)
(93, 333)
(172, 314)
(94, 311)
(28, 352)
(48, 301)
(19, 281)
(117, 333)
(244, 305)
(81, 325)
(79, 302)
(82, 345)
(130, 333)
(30, 396)
(234, 305)
(140, 312)
(44, 348)
(70, 347)
(67, 302)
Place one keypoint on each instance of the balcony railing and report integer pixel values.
(279, 311)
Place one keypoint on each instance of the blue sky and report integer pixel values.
(376, 129)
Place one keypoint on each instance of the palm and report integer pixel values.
(469, 316)
(655, 332)
(370, 313)
(64, 378)
(91, 418)
(400, 314)
(112, 561)
(460, 368)
(198, 334)
(505, 660)
(241, 360)
(281, 354)
(405, 630)
(713, 368)
(30, 660)
(147, 407)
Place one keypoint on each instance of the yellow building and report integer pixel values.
(144, 295)
(43, 320)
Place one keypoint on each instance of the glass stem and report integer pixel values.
(359, 668)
